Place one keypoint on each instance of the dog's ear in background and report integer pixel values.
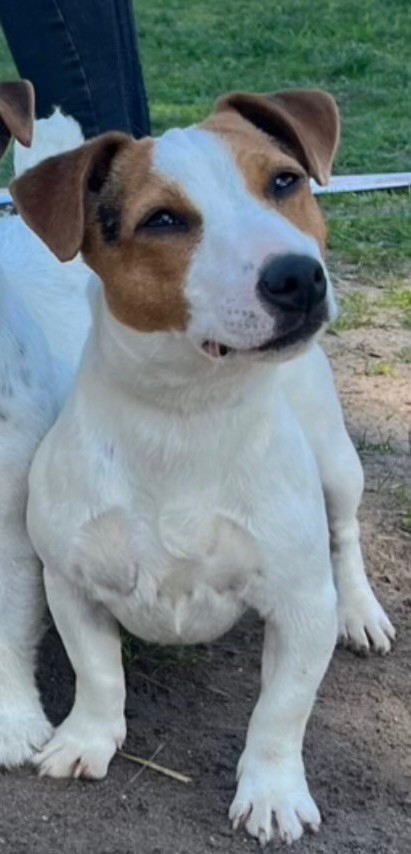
(52, 197)
(305, 121)
(16, 113)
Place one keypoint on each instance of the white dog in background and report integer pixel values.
(44, 319)
(184, 480)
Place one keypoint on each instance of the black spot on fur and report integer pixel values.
(101, 168)
(3, 416)
(109, 218)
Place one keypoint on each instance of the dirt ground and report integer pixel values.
(197, 704)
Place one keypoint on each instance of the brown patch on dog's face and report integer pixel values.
(262, 162)
(135, 229)
(142, 264)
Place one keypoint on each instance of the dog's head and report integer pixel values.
(211, 231)
(16, 113)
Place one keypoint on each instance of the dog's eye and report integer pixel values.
(284, 184)
(164, 221)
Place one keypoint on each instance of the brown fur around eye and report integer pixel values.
(143, 273)
(259, 158)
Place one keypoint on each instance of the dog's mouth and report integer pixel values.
(302, 333)
(216, 350)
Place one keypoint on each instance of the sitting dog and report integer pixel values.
(200, 465)
(42, 329)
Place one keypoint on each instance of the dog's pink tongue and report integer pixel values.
(212, 348)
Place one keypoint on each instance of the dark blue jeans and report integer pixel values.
(80, 55)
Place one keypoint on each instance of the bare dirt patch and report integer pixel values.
(358, 747)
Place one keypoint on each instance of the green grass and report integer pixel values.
(404, 356)
(193, 52)
(355, 311)
(372, 232)
(157, 658)
(403, 495)
(7, 69)
(398, 300)
(365, 445)
(380, 369)
(397, 297)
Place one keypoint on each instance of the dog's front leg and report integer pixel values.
(310, 390)
(83, 745)
(299, 642)
(24, 727)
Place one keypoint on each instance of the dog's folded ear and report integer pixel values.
(16, 112)
(306, 122)
(52, 197)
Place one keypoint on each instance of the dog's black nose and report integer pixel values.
(292, 282)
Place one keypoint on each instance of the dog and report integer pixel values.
(200, 465)
(42, 329)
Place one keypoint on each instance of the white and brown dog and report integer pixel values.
(200, 465)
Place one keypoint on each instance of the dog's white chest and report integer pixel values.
(176, 516)
(189, 581)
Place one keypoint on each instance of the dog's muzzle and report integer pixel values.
(293, 289)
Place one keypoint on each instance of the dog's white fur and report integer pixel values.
(44, 319)
(173, 517)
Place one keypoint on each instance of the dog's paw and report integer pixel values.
(80, 749)
(363, 623)
(24, 729)
(266, 788)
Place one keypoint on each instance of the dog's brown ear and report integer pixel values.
(52, 197)
(16, 113)
(305, 121)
